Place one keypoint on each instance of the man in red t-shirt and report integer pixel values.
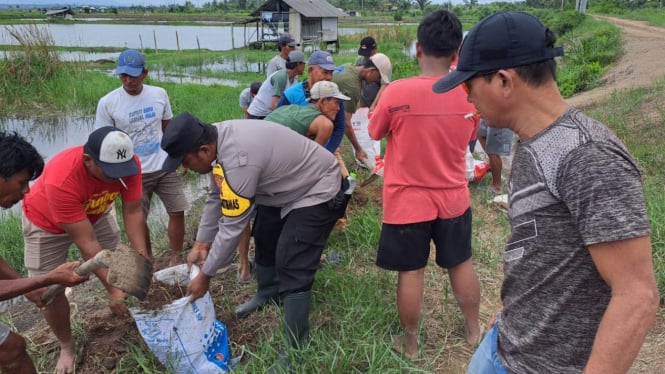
(69, 204)
(425, 190)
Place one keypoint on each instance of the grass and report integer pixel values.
(637, 117)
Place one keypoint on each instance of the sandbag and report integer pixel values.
(185, 337)
(359, 122)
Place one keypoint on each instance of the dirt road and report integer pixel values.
(640, 65)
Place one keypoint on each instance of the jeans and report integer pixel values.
(486, 360)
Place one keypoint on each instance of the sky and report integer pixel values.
(140, 2)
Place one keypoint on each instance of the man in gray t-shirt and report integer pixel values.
(579, 292)
(280, 169)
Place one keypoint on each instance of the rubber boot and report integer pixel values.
(267, 292)
(296, 323)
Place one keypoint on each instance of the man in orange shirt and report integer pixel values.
(425, 192)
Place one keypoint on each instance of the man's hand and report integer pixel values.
(65, 274)
(198, 254)
(198, 286)
(117, 303)
(361, 155)
(36, 296)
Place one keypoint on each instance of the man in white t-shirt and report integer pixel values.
(143, 112)
(285, 44)
(272, 88)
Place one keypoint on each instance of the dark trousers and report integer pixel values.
(294, 244)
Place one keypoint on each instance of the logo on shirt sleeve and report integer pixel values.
(233, 205)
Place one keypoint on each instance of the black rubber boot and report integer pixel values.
(296, 323)
(267, 292)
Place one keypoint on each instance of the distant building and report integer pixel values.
(65, 13)
(308, 21)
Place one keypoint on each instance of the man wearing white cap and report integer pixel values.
(313, 121)
(349, 78)
(69, 204)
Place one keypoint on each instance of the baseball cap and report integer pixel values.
(382, 62)
(366, 45)
(130, 62)
(296, 56)
(323, 89)
(322, 59)
(113, 151)
(180, 136)
(287, 39)
(502, 40)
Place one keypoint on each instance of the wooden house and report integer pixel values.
(310, 22)
(64, 12)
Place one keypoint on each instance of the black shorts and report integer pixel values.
(407, 247)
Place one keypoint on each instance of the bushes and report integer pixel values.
(590, 50)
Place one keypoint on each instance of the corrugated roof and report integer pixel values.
(308, 8)
(52, 12)
(315, 8)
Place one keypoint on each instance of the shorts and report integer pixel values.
(44, 251)
(499, 141)
(4, 332)
(407, 247)
(486, 359)
(169, 188)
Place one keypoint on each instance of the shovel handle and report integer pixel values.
(84, 269)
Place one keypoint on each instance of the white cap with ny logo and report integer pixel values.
(113, 151)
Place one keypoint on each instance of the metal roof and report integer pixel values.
(308, 8)
(52, 12)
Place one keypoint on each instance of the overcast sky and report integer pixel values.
(144, 2)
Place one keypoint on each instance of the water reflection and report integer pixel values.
(172, 37)
(53, 134)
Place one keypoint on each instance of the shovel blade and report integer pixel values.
(129, 271)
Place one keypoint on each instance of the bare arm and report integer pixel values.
(275, 100)
(351, 135)
(132, 214)
(627, 268)
(320, 130)
(83, 236)
(12, 284)
(378, 95)
(165, 122)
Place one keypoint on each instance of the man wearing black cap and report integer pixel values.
(369, 91)
(285, 44)
(579, 293)
(69, 204)
(280, 169)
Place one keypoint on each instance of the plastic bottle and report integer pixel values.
(352, 183)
